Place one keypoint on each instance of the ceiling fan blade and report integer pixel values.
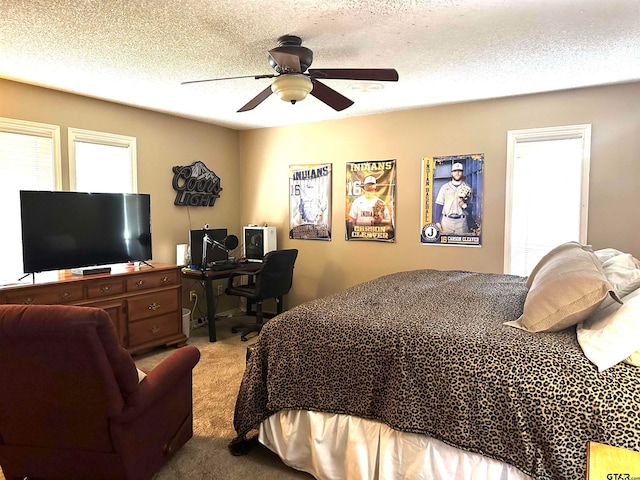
(378, 74)
(287, 62)
(328, 95)
(257, 100)
(257, 77)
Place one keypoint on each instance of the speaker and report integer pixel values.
(258, 241)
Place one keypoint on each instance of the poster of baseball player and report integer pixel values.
(310, 202)
(370, 201)
(452, 190)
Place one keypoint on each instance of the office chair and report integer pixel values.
(75, 407)
(272, 280)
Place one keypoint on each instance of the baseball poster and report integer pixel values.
(452, 190)
(310, 202)
(370, 201)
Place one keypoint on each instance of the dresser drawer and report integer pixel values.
(153, 280)
(106, 288)
(153, 304)
(153, 329)
(145, 303)
(46, 296)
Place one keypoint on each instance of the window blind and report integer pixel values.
(29, 160)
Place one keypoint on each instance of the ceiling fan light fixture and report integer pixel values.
(292, 87)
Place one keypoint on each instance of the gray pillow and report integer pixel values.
(565, 287)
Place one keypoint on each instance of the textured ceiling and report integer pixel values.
(138, 52)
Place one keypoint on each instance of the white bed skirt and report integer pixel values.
(341, 447)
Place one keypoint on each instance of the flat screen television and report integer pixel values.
(62, 230)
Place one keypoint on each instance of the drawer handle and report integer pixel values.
(105, 288)
(154, 329)
(139, 283)
(65, 295)
(154, 306)
(29, 301)
(164, 279)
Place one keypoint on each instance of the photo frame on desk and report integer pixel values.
(214, 254)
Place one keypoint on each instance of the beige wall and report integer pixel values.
(478, 127)
(163, 141)
(253, 166)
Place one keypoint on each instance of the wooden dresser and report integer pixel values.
(144, 303)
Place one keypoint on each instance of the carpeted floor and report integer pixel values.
(216, 380)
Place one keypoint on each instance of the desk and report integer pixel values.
(208, 277)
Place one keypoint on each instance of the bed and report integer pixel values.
(416, 375)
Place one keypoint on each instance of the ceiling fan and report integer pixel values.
(294, 80)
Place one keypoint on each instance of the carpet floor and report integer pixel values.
(216, 380)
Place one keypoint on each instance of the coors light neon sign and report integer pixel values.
(195, 185)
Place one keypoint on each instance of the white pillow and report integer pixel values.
(612, 335)
(605, 254)
(623, 272)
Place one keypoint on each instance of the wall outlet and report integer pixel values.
(193, 296)
(220, 289)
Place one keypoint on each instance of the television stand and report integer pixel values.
(145, 305)
(33, 277)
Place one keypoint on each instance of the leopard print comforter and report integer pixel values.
(425, 352)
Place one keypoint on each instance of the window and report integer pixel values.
(102, 162)
(547, 192)
(29, 160)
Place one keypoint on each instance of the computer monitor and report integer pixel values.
(214, 253)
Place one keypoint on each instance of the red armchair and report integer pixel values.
(71, 405)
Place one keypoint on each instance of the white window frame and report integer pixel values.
(42, 130)
(581, 131)
(101, 138)
(45, 130)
